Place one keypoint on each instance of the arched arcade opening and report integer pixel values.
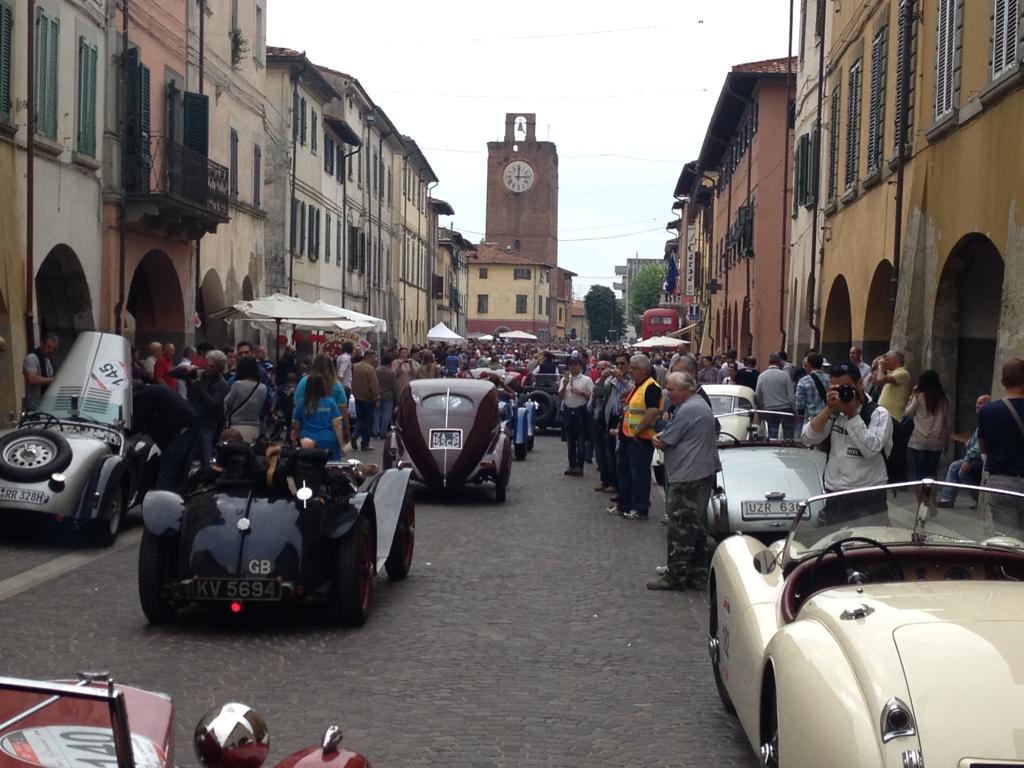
(155, 303)
(62, 297)
(836, 331)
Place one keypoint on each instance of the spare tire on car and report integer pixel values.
(544, 416)
(30, 455)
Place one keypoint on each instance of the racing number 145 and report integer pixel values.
(110, 372)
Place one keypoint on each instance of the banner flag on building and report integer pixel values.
(672, 278)
(690, 287)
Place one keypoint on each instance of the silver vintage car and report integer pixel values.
(72, 459)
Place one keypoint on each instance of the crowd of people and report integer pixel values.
(616, 409)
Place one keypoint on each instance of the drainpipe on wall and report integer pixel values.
(812, 289)
(432, 255)
(291, 209)
(202, 77)
(380, 231)
(122, 221)
(906, 27)
(30, 181)
(790, 88)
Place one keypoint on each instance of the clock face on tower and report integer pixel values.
(518, 176)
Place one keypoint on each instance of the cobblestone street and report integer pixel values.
(524, 636)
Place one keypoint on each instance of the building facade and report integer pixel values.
(509, 292)
(451, 279)
(958, 289)
(232, 260)
(812, 130)
(747, 145)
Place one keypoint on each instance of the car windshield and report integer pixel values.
(722, 405)
(64, 726)
(918, 513)
(450, 403)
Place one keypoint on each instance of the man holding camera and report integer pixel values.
(861, 435)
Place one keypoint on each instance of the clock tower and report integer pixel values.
(522, 191)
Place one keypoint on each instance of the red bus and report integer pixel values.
(660, 322)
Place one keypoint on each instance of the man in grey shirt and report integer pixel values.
(691, 461)
(775, 392)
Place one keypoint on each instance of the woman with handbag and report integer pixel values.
(244, 403)
(928, 407)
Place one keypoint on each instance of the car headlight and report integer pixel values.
(897, 720)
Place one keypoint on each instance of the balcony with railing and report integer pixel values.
(177, 190)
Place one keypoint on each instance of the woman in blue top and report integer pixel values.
(323, 365)
(317, 421)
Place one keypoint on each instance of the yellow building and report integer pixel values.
(958, 286)
(508, 292)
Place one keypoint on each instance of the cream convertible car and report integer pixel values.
(881, 632)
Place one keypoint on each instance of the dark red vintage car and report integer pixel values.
(93, 723)
(450, 434)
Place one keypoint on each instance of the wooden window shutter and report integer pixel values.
(338, 252)
(945, 58)
(302, 228)
(853, 126)
(314, 132)
(327, 240)
(833, 144)
(52, 64)
(233, 167)
(293, 229)
(6, 44)
(302, 124)
(137, 124)
(876, 118)
(196, 118)
(1004, 36)
(295, 115)
(257, 175)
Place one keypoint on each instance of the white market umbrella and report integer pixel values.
(485, 337)
(659, 342)
(520, 335)
(376, 323)
(443, 333)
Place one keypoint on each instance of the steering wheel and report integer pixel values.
(853, 576)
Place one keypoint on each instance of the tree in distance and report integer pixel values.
(644, 291)
(604, 315)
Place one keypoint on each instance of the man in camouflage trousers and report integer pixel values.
(690, 444)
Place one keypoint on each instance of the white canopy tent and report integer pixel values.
(443, 333)
(379, 325)
(660, 342)
(519, 335)
(485, 337)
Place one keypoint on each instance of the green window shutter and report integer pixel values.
(86, 97)
(52, 61)
(257, 175)
(302, 228)
(6, 43)
(42, 43)
(233, 167)
(136, 175)
(196, 119)
(327, 240)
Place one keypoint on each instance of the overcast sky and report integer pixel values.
(625, 89)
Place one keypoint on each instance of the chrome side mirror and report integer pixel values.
(231, 736)
(765, 561)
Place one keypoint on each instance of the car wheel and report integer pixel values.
(520, 451)
(156, 569)
(102, 532)
(28, 455)
(714, 648)
(500, 489)
(768, 749)
(353, 576)
(529, 443)
(544, 416)
(399, 560)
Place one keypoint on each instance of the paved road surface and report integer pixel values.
(524, 636)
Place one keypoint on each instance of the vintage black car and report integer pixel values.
(449, 432)
(72, 459)
(284, 525)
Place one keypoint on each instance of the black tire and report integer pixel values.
(500, 489)
(28, 455)
(156, 570)
(723, 694)
(768, 740)
(547, 409)
(399, 560)
(352, 591)
(529, 443)
(520, 451)
(102, 532)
